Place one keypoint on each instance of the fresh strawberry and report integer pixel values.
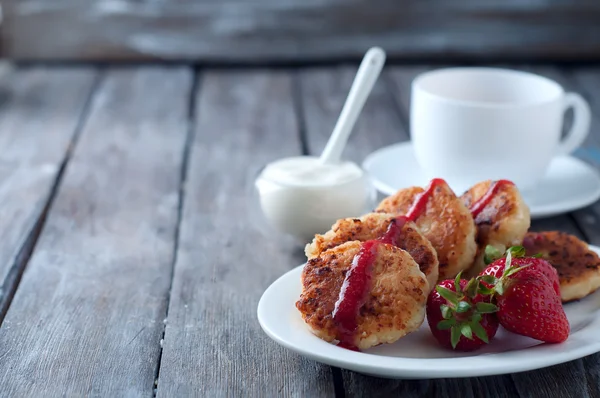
(527, 293)
(536, 267)
(459, 317)
(530, 306)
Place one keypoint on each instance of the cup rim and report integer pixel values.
(417, 85)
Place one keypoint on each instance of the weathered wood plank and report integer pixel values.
(399, 80)
(39, 113)
(591, 364)
(88, 315)
(263, 30)
(213, 344)
(323, 92)
(563, 381)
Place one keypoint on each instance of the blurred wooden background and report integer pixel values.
(263, 31)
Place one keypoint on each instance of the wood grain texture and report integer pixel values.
(323, 92)
(266, 30)
(399, 80)
(565, 381)
(88, 315)
(214, 345)
(591, 364)
(39, 114)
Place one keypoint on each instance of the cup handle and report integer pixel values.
(581, 123)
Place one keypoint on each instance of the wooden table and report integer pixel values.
(128, 261)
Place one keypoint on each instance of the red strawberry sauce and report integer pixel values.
(479, 205)
(357, 281)
(353, 293)
(357, 284)
(393, 232)
(418, 206)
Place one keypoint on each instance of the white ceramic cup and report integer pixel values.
(472, 124)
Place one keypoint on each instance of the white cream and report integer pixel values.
(301, 196)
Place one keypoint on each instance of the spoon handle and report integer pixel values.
(365, 79)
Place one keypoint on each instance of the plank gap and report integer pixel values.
(298, 105)
(338, 382)
(189, 139)
(14, 275)
(580, 228)
(401, 112)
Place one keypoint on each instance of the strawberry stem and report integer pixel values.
(462, 316)
(463, 307)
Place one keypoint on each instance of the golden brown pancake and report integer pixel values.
(393, 307)
(578, 267)
(502, 223)
(373, 226)
(446, 223)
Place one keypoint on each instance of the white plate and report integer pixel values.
(569, 184)
(418, 356)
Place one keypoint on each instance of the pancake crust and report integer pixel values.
(502, 223)
(446, 222)
(578, 267)
(372, 226)
(395, 305)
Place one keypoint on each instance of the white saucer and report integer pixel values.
(418, 356)
(570, 183)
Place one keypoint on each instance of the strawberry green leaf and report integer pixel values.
(486, 308)
(463, 307)
(446, 311)
(513, 270)
(491, 279)
(484, 290)
(476, 318)
(457, 282)
(516, 251)
(455, 335)
(449, 295)
(471, 287)
(499, 288)
(508, 260)
(479, 331)
(491, 254)
(465, 330)
(446, 324)
(537, 255)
